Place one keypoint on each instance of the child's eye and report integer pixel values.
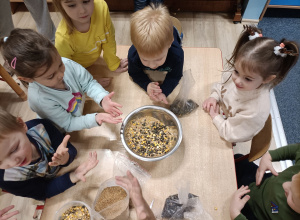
(236, 72)
(50, 77)
(72, 5)
(248, 79)
(15, 149)
(86, 1)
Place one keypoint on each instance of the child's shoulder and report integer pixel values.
(100, 4)
(176, 52)
(38, 121)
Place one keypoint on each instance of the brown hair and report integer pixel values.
(58, 7)
(151, 30)
(30, 49)
(258, 55)
(9, 123)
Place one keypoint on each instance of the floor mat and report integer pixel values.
(288, 91)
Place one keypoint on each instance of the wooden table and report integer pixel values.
(203, 158)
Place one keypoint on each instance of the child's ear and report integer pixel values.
(22, 123)
(269, 79)
(29, 80)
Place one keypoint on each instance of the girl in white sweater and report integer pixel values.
(257, 65)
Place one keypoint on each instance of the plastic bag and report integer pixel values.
(123, 163)
(184, 205)
(120, 209)
(182, 105)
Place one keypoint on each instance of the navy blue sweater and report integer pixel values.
(173, 65)
(41, 188)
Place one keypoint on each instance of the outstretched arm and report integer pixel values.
(143, 210)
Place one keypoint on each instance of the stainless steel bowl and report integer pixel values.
(164, 115)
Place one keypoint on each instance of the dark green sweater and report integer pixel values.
(271, 191)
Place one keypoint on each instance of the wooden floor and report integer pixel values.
(200, 30)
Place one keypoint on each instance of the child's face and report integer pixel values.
(16, 149)
(53, 77)
(80, 11)
(156, 61)
(289, 189)
(246, 80)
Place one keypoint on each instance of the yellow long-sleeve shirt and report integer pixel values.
(85, 48)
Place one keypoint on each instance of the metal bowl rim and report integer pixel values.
(156, 108)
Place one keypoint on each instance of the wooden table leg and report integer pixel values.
(4, 74)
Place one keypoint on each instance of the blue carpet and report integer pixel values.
(287, 93)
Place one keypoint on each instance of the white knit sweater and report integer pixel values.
(245, 111)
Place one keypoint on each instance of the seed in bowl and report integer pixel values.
(149, 137)
(75, 213)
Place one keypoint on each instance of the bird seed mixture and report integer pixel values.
(75, 213)
(149, 137)
(107, 198)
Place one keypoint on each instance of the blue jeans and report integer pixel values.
(140, 4)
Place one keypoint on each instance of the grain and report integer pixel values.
(75, 213)
(149, 137)
(108, 197)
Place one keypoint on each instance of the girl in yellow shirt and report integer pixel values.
(85, 30)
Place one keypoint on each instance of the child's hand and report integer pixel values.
(264, 165)
(4, 215)
(132, 185)
(105, 117)
(84, 168)
(159, 98)
(123, 67)
(111, 107)
(61, 156)
(153, 89)
(210, 102)
(162, 98)
(213, 112)
(237, 202)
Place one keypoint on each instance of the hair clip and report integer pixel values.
(255, 35)
(282, 51)
(13, 63)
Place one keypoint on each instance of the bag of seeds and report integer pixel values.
(184, 205)
(182, 105)
(112, 201)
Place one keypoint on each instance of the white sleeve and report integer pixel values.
(240, 128)
(88, 84)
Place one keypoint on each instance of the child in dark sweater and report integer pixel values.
(155, 60)
(32, 154)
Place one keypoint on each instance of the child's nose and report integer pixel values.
(81, 8)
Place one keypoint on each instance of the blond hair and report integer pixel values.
(58, 7)
(151, 30)
(9, 123)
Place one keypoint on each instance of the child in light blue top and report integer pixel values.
(57, 85)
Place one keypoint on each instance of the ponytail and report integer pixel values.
(245, 37)
(291, 50)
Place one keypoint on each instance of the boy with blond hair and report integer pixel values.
(155, 60)
(268, 196)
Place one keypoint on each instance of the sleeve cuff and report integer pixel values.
(240, 217)
(218, 120)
